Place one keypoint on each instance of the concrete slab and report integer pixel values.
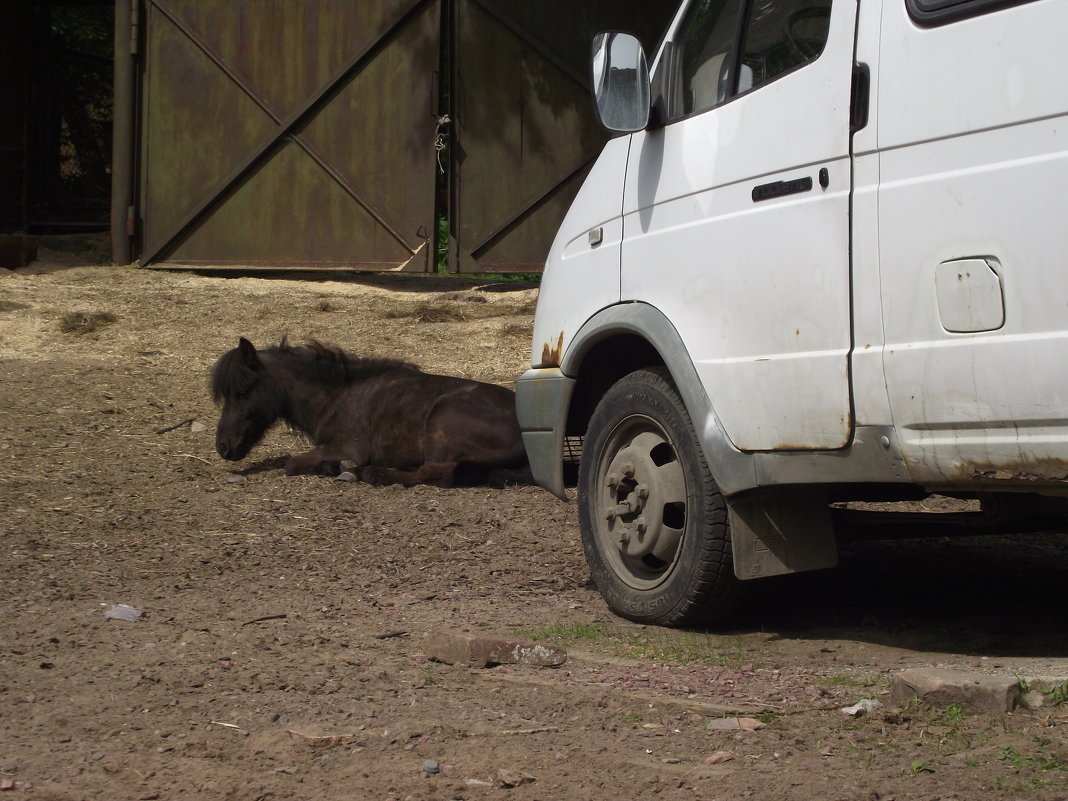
(974, 692)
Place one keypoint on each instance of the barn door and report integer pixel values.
(281, 133)
(524, 132)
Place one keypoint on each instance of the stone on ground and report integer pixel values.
(477, 651)
(974, 692)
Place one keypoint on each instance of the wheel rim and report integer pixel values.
(640, 502)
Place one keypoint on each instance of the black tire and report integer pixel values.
(654, 524)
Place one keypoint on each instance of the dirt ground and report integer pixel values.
(279, 654)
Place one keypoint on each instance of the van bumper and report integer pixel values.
(542, 398)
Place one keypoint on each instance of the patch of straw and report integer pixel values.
(77, 322)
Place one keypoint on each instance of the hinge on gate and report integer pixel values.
(135, 26)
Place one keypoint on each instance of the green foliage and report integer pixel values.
(952, 715)
(566, 633)
(648, 645)
(1058, 695)
(77, 119)
(1041, 759)
(442, 246)
(663, 645)
(430, 675)
(441, 252)
(517, 277)
(84, 29)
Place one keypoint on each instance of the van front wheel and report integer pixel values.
(654, 524)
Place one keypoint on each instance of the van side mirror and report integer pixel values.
(620, 82)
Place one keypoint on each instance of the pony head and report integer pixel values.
(250, 400)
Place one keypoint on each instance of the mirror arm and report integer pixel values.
(657, 113)
(659, 109)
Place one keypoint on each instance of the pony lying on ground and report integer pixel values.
(386, 421)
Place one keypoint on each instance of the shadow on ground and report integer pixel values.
(976, 595)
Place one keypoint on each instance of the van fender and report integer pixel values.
(733, 470)
(774, 530)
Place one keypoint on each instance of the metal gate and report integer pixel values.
(302, 134)
(288, 133)
(524, 132)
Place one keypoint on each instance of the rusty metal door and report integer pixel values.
(281, 133)
(524, 133)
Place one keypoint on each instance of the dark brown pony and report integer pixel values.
(385, 420)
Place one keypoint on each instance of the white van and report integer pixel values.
(826, 261)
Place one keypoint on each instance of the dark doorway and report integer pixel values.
(67, 116)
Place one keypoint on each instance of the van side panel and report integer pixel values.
(973, 240)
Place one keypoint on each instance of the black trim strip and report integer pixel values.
(931, 13)
(781, 188)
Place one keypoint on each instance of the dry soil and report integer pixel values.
(279, 652)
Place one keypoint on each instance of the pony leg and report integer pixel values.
(321, 460)
(439, 474)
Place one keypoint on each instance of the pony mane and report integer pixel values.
(313, 361)
(333, 362)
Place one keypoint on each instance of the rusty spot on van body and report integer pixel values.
(551, 354)
(1036, 472)
(1027, 474)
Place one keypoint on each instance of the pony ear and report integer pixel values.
(248, 353)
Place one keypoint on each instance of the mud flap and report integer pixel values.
(781, 530)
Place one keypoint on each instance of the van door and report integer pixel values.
(737, 213)
(972, 117)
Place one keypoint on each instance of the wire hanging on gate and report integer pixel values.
(439, 139)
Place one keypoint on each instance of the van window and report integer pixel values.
(777, 36)
(780, 35)
(940, 12)
(702, 47)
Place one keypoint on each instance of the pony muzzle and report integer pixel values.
(232, 453)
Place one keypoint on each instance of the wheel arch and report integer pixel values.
(604, 363)
(627, 337)
(774, 529)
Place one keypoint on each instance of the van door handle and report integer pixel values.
(781, 188)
